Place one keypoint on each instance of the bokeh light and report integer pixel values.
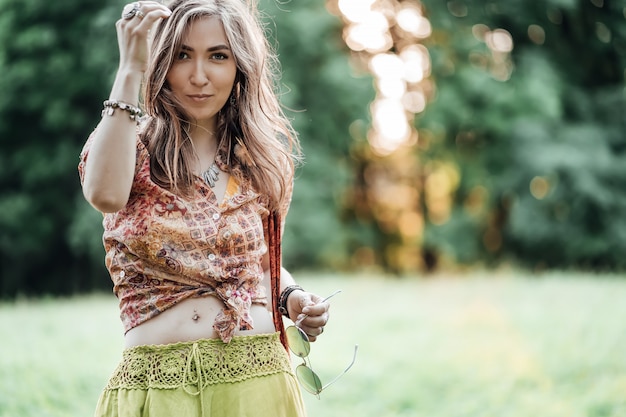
(539, 187)
(499, 40)
(411, 20)
(356, 11)
(500, 44)
(536, 34)
(386, 34)
(385, 37)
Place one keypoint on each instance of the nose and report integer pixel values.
(199, 76)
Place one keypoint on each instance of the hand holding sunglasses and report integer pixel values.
(300, 346)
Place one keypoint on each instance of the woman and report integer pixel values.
(188, 193)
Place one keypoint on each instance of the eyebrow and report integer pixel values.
(211, 49)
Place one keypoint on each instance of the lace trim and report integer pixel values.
(199, 364)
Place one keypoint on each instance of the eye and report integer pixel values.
(182, 55)
(219, 56)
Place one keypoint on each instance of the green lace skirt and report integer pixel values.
(250, 376)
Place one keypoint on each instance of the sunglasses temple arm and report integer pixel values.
(323, 301)
(356, 347)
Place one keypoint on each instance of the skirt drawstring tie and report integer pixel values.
(194, 359)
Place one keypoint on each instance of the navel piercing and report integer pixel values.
(195, 316)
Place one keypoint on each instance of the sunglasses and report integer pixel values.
(300, 345)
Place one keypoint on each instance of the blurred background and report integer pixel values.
(438, 135)
(478, 143)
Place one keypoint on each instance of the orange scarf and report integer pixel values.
(274, 232)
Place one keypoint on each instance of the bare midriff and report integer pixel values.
(193, 319)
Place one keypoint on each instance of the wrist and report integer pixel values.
(283, 300)
(111, 105)
(127, 86)
(130, 71)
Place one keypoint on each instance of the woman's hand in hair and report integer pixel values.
(132, 33)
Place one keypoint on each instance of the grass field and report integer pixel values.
(497, 344)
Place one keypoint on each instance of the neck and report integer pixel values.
(204, 138)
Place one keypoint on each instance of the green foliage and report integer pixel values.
(559, 118)
(325, 97)
(53, 80)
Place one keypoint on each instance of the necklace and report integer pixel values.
(211, 175)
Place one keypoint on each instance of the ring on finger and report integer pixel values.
(132, 12)
(140, 14)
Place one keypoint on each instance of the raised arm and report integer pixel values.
(109, 168)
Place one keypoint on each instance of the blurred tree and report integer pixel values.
(325, 96)
(387, 195)
(53, 75)
(521, 149)
(530, 108)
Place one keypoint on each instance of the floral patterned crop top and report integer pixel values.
(162, 249)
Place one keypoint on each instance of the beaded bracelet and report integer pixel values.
(282, 301)
(110, 105)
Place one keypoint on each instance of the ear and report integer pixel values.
(237, 85)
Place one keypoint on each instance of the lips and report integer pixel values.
(199, 97)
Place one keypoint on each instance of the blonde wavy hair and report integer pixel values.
(251, 125)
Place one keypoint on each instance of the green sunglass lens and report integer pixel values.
(309, 380)
(298, 342)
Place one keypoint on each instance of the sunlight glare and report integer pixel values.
(414, 101)
(391, 87)
(387, 66)
(356, 11)
(371, 34)
(416, 63)
(411, 20)
(360, 37)
(499, 40)
(390, 124)
(384, 34)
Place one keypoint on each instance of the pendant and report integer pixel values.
(211, 175)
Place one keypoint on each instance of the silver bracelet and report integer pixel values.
(110, 105)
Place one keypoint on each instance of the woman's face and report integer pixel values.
(204, 70)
